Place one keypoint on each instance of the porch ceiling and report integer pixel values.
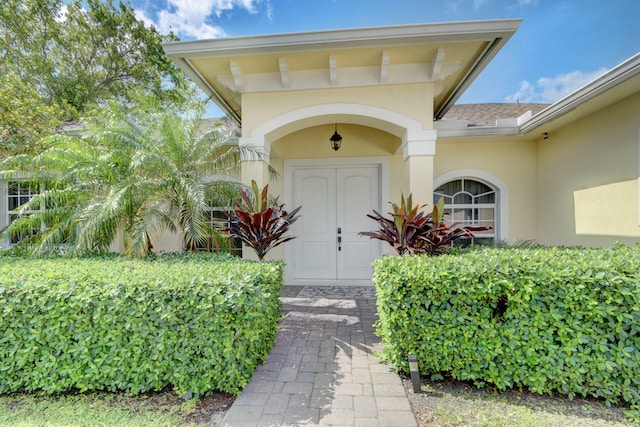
(450, 55)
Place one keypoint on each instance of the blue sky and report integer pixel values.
(560, 45)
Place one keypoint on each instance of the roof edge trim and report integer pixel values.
(201, 82)
(487, 29)
(612, 78)
(483, 60)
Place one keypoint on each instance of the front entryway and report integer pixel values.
(335, 201)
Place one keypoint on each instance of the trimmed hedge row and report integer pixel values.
(549, 320)
(198, 323)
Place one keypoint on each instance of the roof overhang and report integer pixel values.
(450, 55)
(611, 87)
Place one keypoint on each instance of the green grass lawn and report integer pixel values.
(108, 409)
(456, 404)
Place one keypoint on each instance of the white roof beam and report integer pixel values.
(333, 70)
(284, 72)
(384, 67)
(436, 65)
(237, 75)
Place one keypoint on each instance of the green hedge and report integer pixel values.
(549, 320)
(197, 323)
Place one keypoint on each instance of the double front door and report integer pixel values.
(335, 202)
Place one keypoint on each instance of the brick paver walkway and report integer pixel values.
(322, 370)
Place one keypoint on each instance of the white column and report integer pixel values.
(254, 167)
(255, 161)
(419, 149)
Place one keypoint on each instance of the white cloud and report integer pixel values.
(452, 6)
(141, 15)
(551, 89)
(477, 4)
(191, 18)
(61, 16)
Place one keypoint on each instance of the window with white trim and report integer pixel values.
(218, 216)
(19, 193)
(469, 202)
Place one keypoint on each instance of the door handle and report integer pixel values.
(339, 243)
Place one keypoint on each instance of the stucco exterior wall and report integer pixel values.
(167, 242)
(511, 160)
(411, 100)
(588, 179)
(358, 141)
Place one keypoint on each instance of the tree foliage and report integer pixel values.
(135, 171)
(24, 117)
(70, 56)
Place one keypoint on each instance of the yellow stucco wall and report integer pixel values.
(511, 160)
(358, 141)
(588, 179)
(411, 100)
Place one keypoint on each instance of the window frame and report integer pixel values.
(473, 207)
(501, 213)
(211, 220)
(13, 214)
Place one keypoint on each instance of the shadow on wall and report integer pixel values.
(608, 210)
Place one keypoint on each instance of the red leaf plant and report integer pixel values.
(259, 223)
(410, 231)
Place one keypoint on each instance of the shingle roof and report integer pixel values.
(487, 114)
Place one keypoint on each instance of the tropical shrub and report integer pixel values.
(134, 173)
(410, 231)
(260, 223)
(548, 320)
(196, 323)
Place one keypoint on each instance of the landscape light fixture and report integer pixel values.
(335, 139)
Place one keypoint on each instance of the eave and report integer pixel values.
(611, 87)
(450, 55)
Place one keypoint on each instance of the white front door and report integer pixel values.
(335, 202)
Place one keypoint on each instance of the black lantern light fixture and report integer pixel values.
(335, 140)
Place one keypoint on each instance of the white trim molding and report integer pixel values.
(421, 143)
(4, 211)
(415, 139)
(502, 190)
(360, 114)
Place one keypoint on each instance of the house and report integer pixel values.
(564, 174)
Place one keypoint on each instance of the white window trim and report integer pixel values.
(4, 211)
(502, 195)
(4, 207)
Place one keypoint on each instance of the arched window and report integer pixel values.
(470, 202)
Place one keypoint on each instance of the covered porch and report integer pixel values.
(380, 88)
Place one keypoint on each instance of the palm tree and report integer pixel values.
(135, 172)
